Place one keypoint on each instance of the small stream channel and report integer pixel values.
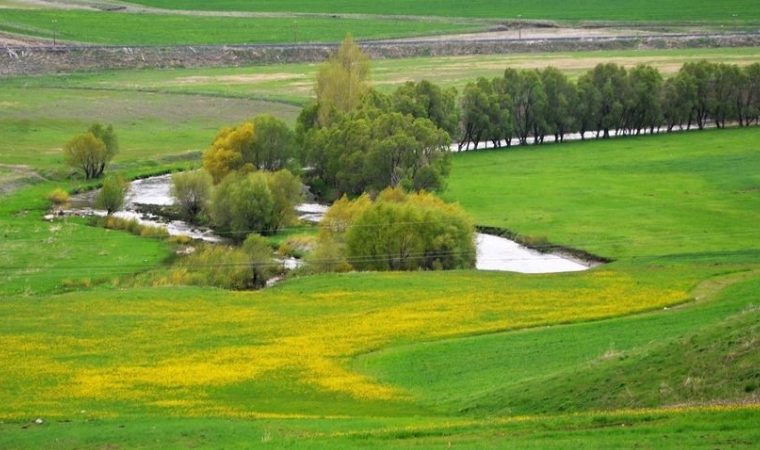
(493, 252)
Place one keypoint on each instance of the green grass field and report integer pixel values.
(581, 10)
(109, 28)
(658, 349)
(672, 195)
(398, 360)
(275, 22)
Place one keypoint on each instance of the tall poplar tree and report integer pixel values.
(341, 81)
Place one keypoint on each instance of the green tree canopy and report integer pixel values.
(427, 100)
(242, 204)
(410, 231)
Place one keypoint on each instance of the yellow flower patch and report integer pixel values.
(172, 353)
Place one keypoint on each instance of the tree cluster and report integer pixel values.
(253, 191)
(397, 231)
(528, 105)
(355, 139)
(264, 143)
(257, 202)
(372, 149)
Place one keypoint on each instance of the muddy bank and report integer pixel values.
(28, 60)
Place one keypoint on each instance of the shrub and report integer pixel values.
(192, 192)
(58, 197)
(112, 195)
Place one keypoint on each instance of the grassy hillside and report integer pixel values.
(633, 362)
(668, 10)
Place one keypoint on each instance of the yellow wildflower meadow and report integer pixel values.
(173, 349)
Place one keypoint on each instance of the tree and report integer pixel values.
(427, 100)
(751, 95)
(401, 147)
(402, 231)
(678, 96)
(643, 108)
(607, 84)
(589, 101)
(727, 83)
(561, 96)
(89, 152)
(112, 195)
(264, 143)
(260, 258)
(226, 152)
(192, 192)
(528, 105)
(109, 138)
(341, 81)
(698, 75)
(286, 194)
(272, 146)
(485, 113)
(242, 204)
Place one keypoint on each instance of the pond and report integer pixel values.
(493, 252)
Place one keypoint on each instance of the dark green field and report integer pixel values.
(114, 28)
(579, 10)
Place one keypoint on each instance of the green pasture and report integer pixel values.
(683, 195)
(663, 429)
(632, 362)
(117, 28)
(581, 10)
(36, 121)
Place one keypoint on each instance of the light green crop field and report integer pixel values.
(657, 349)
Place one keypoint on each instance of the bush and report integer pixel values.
(113, 194)
(58, 197)
(246, 267)
(132, 226)
(192, 192)
(398, 231)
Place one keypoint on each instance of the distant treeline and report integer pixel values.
(528, 105)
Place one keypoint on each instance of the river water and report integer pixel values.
(493, 252)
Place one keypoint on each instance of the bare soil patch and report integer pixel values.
(13, 177)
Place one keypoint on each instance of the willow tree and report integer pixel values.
(341, 81)
(92, 150)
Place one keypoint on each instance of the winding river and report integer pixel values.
(493, 252)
